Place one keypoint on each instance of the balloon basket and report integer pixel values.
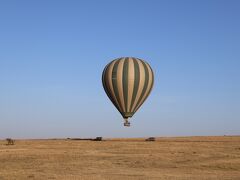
(126, 123)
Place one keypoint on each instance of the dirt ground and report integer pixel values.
(167, 158)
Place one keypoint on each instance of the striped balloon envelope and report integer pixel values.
(127, 82)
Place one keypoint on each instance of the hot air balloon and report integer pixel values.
(127, 82)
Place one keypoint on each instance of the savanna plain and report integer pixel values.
(116, 159)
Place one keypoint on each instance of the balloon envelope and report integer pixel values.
(127, 82)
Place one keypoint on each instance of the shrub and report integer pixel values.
(10, 141)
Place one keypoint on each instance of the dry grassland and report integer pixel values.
(167, 158)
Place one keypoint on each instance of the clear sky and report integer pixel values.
(52, 54)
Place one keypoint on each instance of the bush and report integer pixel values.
(10, 141)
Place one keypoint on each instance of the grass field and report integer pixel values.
(167, 158)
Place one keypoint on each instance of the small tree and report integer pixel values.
(10, 141)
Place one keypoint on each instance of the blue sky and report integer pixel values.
(52, 54)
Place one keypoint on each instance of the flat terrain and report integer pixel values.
(167, 158)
